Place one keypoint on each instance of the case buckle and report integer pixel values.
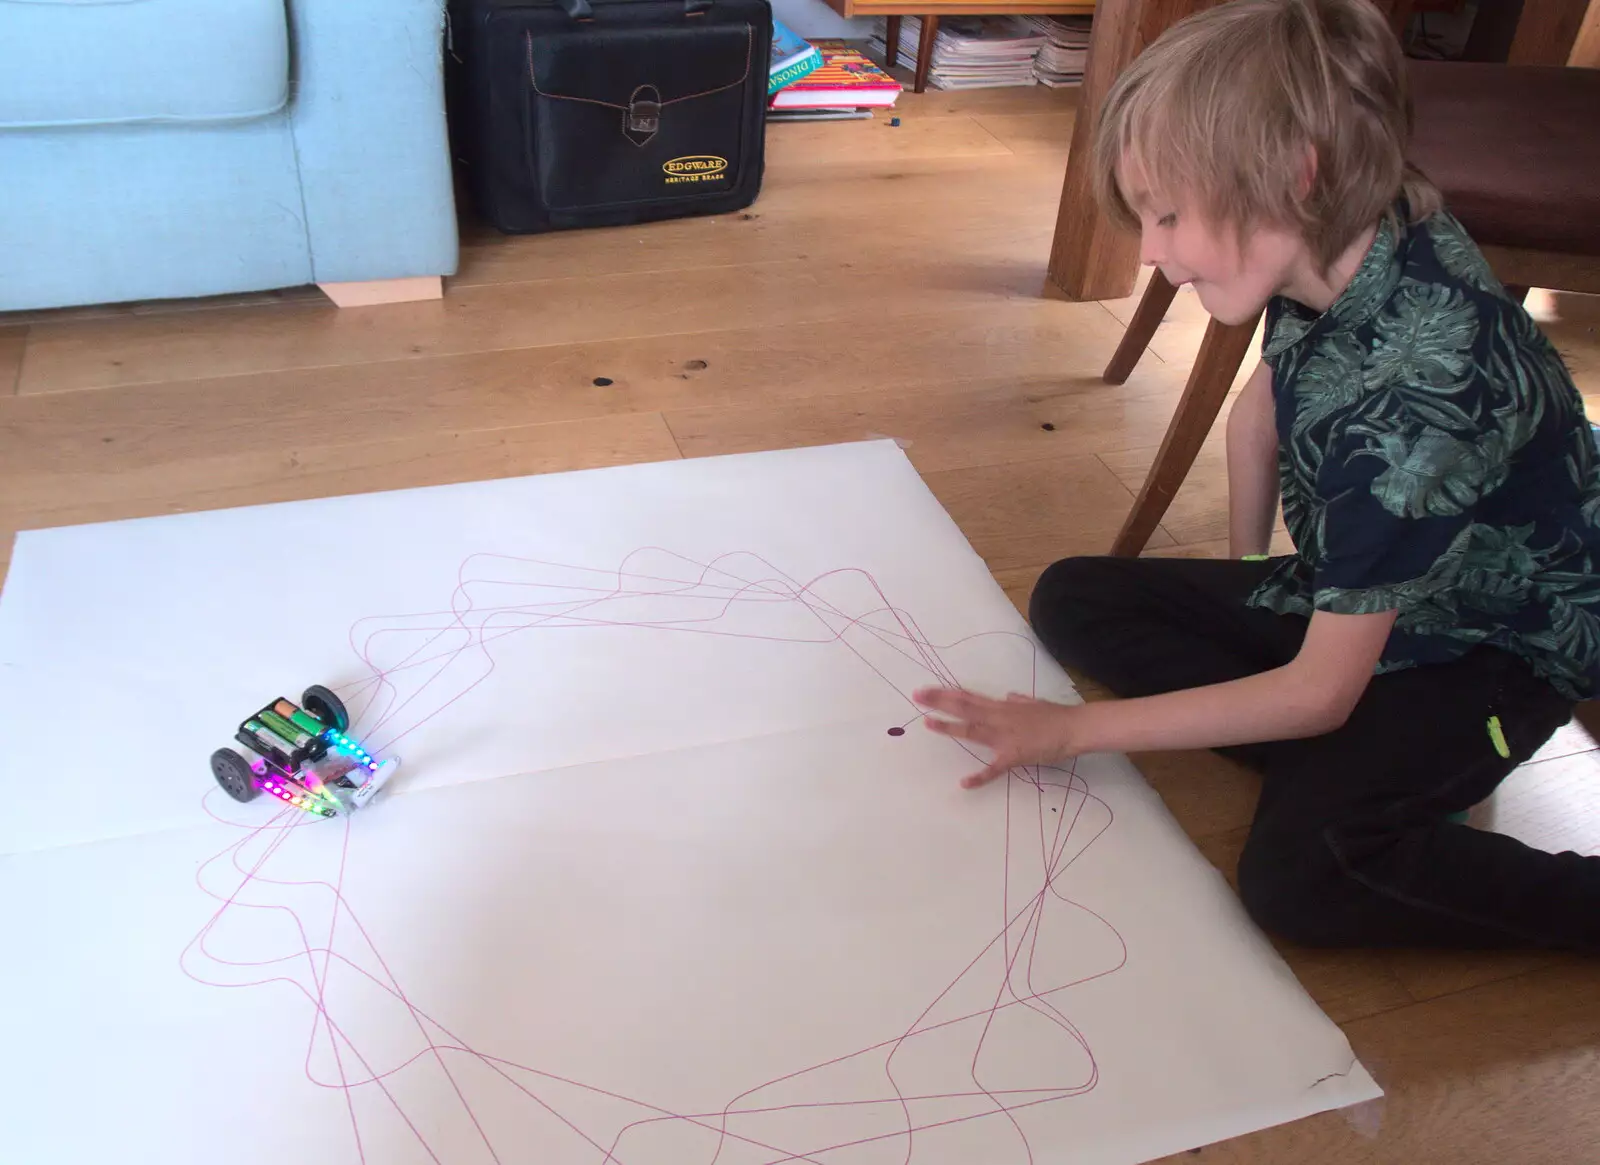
(642, 119)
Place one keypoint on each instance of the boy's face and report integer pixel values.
(1234, 280)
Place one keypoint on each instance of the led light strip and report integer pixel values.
(309, 802)
(354, 750)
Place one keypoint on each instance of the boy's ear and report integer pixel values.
(1308, 174)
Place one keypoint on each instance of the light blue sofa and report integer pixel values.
(156, 149)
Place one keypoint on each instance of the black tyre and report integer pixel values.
(233, 774)
(326, 707)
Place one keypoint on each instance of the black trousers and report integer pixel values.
(1352, 843)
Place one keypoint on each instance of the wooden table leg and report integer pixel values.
(1222, 353)
(891, 42)
(930, 33)
(1090, 258)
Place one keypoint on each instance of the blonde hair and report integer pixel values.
(1233, 104)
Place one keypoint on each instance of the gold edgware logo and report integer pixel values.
(695, 168)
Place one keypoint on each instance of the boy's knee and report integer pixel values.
(1066, 595)
(1292, 887)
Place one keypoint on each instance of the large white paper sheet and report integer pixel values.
(655, 884)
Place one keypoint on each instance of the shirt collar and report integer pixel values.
(1373, 284)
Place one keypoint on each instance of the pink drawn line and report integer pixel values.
(767, 591)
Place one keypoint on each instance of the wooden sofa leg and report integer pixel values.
(1221, 354)
(379, 291)
(1147, 317)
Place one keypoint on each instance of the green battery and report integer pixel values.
(309, 722)
(284, 728)
(269, 738)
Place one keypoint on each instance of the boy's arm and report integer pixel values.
(1312, 694)
(1252, 466)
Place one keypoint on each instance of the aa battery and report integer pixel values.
(270, 738)
(300, 717)
(284, 728)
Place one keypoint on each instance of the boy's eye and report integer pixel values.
(1167, 220)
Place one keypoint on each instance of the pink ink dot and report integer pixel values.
(897, 731)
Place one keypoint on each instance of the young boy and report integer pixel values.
(1441, 614)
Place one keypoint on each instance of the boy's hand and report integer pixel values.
(1019, 730)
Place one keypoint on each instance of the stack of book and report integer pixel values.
(844, 85)
(1065, 52)
(973, 52)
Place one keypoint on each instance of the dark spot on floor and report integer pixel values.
(603, 382)
(107, 440)
(1048, 427)
(695, 365)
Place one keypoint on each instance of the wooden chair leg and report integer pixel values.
(1215, 367)
(1587, 714)
(891, 42)
(1400, 17)
(930, 33)
(1147, 318)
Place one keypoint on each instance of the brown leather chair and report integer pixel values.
(1515, 150)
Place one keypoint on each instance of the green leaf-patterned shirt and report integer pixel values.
(1435, 460)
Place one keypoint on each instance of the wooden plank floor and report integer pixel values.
(887, 283)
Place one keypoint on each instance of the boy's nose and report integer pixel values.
(1150, 252)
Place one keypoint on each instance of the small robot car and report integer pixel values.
(300, 754)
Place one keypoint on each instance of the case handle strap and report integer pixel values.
(583, 10)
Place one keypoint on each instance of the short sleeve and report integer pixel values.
(1395, 505)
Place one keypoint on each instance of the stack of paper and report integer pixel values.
(973, 52)
(1062, 58)
(672, 874)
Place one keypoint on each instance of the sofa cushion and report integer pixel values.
(88, 62)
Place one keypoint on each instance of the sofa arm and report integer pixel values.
(369, 132)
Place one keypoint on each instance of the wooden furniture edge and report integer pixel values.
(855, 8)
